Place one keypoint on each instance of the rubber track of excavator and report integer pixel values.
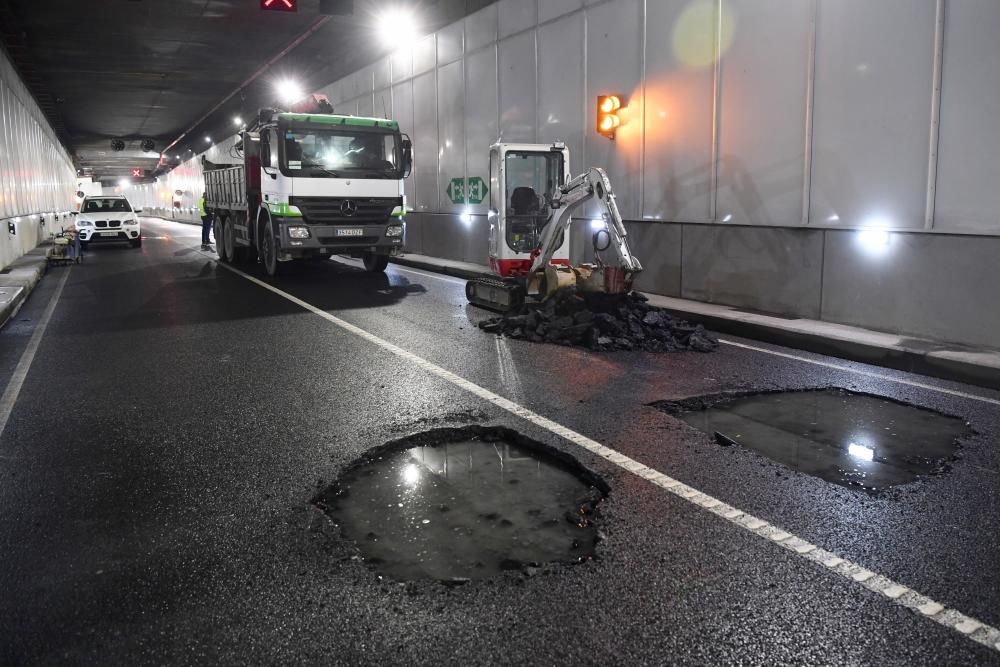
(484, 292)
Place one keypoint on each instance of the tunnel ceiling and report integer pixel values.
(137, 69)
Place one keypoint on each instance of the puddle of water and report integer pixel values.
(846, 438)
(463, 510)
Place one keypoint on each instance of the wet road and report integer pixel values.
(156, 471)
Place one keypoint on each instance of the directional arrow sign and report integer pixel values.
(477, 190)
(456, 190)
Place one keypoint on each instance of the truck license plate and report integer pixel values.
(350, 232)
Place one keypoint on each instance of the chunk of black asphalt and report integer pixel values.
(851, 439)
(456, 504)
(601, 322)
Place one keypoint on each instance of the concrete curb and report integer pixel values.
(979, 367)
(22, 276)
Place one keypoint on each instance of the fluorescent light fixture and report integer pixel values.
(397, 28)
(861, 452)
(729, 216)
(597, 224)
(238, 121)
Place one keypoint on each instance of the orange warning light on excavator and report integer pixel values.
(608, 119)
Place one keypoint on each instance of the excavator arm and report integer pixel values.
(592, 184)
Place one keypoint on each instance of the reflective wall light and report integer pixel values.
(874, 241)
(466, 217)
(597, 224)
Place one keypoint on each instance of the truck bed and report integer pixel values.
(226, 188)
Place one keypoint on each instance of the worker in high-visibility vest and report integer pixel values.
(206, 224)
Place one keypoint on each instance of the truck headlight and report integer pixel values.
(298, 233)
(394, 230)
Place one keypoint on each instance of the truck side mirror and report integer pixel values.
(265, 150)
(407, 156)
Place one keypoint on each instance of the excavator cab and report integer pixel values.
(532, 200)
(524, 180)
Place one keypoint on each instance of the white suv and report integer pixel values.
(108, 218)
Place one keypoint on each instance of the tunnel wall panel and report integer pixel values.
(931, 285)
(37, 177)
(968, 198)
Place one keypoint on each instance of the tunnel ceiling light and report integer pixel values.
(208, 140)
(289, 91)
(397, 28)
(608, 118)
(238, 122)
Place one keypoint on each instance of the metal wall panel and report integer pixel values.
(870, 146)
(614, 65)
(366, 105)
(451, 131)
(450, 43)
(764, 69)
(561, 85)
(425, 141)
(481, 28)
(968, 198)
(517, 87)
(550, 9)
(424, 55)
(383, 73)
(679, 86)
(480, 116)
(402, 112)
(402, 64)
(516, 16)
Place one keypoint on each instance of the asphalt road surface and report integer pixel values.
(175, 418)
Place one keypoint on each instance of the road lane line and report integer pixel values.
(857, 575)
(13, 389)
(871, 374)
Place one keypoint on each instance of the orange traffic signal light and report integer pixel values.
(608, 119)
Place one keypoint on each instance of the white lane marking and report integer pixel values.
(856, 574)
(426, 274)
(13, 389)
(871, 374)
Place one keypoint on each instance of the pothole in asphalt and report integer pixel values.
(454, 504)
(851, 439)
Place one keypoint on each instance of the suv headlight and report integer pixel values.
(133, 221)
(394, 230)
(298, 232)
(84, 223)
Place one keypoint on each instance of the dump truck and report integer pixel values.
(310, 183)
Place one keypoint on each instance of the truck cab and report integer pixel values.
(314, 185)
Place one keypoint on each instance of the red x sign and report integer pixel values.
(279, 5)
(137, 173)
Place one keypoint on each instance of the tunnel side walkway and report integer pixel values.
(979, 366)
(18, 279)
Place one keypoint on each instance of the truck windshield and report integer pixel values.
(348, 152)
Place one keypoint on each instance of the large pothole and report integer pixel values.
(465, 503)
(851, 439)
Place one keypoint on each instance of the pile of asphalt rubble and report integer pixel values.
(601, 322)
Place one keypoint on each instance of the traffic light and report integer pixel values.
(608, 119)
(279, 5)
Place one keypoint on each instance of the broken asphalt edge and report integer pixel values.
(939, 360)
(25, 272)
